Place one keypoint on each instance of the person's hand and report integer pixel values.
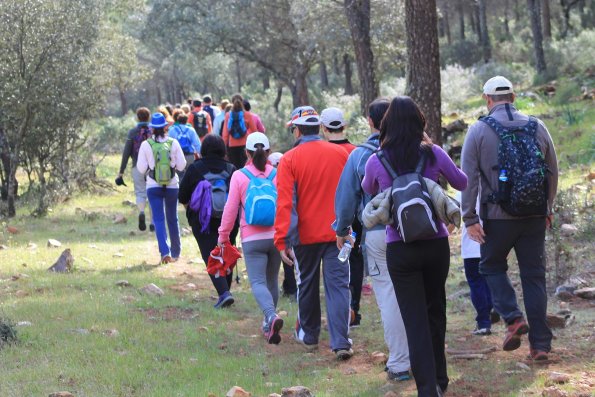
(342, 239)
(549, 221)
(476, 233)
(287, 256)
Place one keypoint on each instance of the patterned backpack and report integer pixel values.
(522, 186)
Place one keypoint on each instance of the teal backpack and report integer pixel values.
(163, 172)
(261, 199)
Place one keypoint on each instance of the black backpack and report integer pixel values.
(522, 185)
(200, 123)
(412, 209)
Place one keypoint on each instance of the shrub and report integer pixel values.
(8, 332)
(458, 84)
(466, 53)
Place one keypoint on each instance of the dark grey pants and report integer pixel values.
(527, 237)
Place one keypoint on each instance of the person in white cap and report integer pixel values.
(307, 180)
(252, 192)
(333, 124)
(511, 164)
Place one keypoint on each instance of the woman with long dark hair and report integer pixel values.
(418, 269)
(238, 124)
(212, 166)
(248, 194)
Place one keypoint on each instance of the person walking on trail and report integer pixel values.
(307, 179)
(257, 121)
(186, 137)
(211, 176)
(200, 120)
(237, 125)
(511, 160)
(333, 125)
(218, 121)
(419, 267)
(208, 107)
(162, 156)
(350, 201)
(253, 193)
(136, 136)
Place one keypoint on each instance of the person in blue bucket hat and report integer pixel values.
(159, 157)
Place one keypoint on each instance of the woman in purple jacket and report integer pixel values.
(417, 269)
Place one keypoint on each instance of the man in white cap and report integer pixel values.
(307, 178)
(510, 161)
(333, 124)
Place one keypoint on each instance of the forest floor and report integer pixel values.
(82, 333)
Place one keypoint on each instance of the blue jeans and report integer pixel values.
(164, 204)
(480, 293)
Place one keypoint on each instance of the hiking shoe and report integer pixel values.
(272, 333)
(482, 331)
(152, 227)
(224, 301)
(354, 319)
(142, 226)
(398, 376)
(538, 355)
(309, 347)
(494, 317)
(515, 330)
(166, 259)
(344, 354)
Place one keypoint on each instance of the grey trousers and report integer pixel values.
(262, 263)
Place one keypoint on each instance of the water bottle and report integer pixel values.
(346, 250)
(503, 177)
(502, 186)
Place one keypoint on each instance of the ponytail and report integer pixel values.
(158, 132)
(259, 157)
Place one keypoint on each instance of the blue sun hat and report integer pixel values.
(157, 121)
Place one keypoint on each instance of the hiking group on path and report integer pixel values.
(346, 211)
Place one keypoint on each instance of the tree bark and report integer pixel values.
(566, 7)
(423, 66)
(476, 18)
(299, 90)
(517, 14)
(506, 21)
(123, 102)
(239, 74)
(323, 74)
(348, 74)
(486, 46)
(358, 15)
(547, 20)
(535, 14)
(446, 16)
(278, 97)
(266, 81)
(461, 12)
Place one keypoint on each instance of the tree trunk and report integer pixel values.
(13, 185)
(547, 20)
(535, 14)
(461, 12)
(476, 18)
(323, 74)
(446, 16)
(239, 75)
(506, 21)
(123, 102)
(566, 7)
(278, 97)
(348, 74)
(358, 15)
(42, 202)
(336, 64)
(486, 46)
(517, 14)
(299, 90)
(423, 65)
(266, 82)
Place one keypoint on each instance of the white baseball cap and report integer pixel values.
(304, 115)
(257, 138)
(274, 158)
(332, 118)
(498, 85)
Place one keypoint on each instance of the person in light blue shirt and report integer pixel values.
(219, 118)
(188, 139)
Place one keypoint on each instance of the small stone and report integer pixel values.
(92, 246)
(523, 366)
(32, 246)
(553, 392)
(81, 331)
(585, 293)
(568, 230)
(3, 247)
(123, 283)
(54, 243)
(12, 230)
(555, 321)
(19, 276)
(61, 394)
(120, 219)
(112, 333)
(558, 377)
(223, 346)
(185, 232)
(24, 324)
(152, 289)
(191, 286)
(274, 395)
(128, 203)
(391, 394)
(379, 358)
(565, 293)
(459, 294)
(296, 391)
(282, 314)
(203, 329)
(118, 255)
(237, 391)
(193, 360)
(21, 293)
(350, 371)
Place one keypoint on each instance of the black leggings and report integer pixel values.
(418, 271)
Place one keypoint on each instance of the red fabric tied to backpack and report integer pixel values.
(222, 260)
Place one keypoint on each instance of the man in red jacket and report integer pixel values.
(307, 178)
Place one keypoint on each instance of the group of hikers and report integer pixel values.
(376, 204)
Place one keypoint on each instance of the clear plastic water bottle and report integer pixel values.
(346, 250)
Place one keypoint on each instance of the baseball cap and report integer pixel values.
(332, 118)
(498, 85)
(304, 115)
(274, 158)
(257, 138)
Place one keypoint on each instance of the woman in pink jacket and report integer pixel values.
(253, 190)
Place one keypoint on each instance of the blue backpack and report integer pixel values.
(261, 199)
(183, 138)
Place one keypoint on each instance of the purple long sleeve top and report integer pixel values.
(377, 179)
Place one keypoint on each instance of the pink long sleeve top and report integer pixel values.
(236, 201)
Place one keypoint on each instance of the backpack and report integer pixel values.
(261, 199)
(184, 139)
(142, 135)
(210, 111)
(163, 172)
(237, 125)
(218, 190)
(522, 186)
(200, 123)
(412, 209)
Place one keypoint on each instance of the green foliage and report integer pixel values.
(8, 332)
(463, 52)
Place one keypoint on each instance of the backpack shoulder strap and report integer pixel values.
(421, 164)
(531, 126)
(247, 173)
(393, 174)
(369, 146)
(272, 174)
(494, 125)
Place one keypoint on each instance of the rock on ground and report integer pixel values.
(123, 283)
(553, 392)
(120, 219)
(64, 263)
(391, 394)
(274, 395)
(52, 243)
(568, 230)
(379, 358)
(237, 391)
(555, 321)
(152, 289)
(3, 247)
(558, 377)
(296, 391)
(585, 293)
(61, 394)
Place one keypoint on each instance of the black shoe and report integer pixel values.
(152, 227)
(494, 317)
(142, 226)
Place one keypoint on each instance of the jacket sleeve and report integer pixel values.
(142, 164)
(369, 183)
(285, 186)
(126, 153)
(455, 177)
(551, 161)
(470, 165)
(348, 196)
(232, 206)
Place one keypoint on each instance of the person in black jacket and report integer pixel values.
(212, 160)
